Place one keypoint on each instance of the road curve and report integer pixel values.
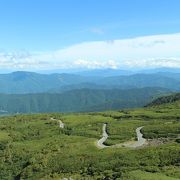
(135, 144)
(140, 140)
(100, 142)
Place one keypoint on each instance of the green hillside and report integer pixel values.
(35, 147)
(78, 100)
(165, 99)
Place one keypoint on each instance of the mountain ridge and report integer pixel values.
(29, 82)
(165, 100)
(79, 100)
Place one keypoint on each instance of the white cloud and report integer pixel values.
(147, 51)
(154, 62)
(96, 64)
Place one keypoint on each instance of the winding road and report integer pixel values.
(100, 143)
(135, 144)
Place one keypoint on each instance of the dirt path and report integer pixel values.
(61, 124)
(141, 141)
(101, 141)
(130, 144)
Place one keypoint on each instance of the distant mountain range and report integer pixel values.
(28, 82)
(96, 90)
(107, 71)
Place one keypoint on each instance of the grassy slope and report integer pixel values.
(140, 175)
(33, 146)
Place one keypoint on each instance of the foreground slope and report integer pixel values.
(35, 147)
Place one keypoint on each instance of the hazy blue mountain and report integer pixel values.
(78, 100)
(105, 72)
(159, 70)
(28, 82)
(110, 72)
(144, 80)
(89, 86)
(170, 75)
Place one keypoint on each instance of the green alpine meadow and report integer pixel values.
(38, 146)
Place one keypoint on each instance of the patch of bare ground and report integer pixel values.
(159, 141)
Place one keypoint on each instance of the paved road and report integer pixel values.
(141, 141)
(135, 144)
(61, 124)
(101, 141)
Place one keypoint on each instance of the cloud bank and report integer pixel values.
(140, 52)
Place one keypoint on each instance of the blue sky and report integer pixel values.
(39, 30)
